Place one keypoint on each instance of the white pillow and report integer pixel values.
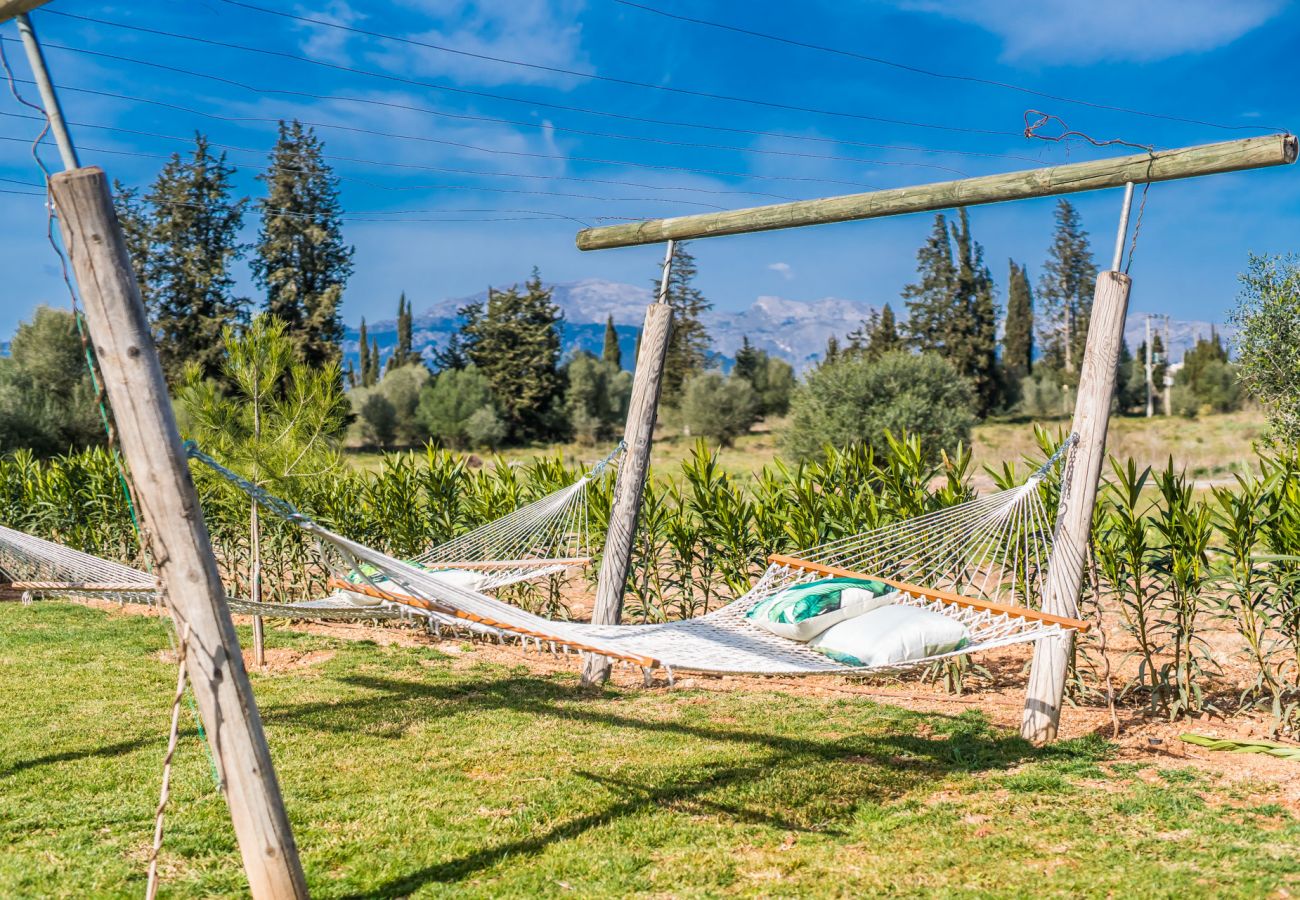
(890, 634)
(461, 578)
(853, 602)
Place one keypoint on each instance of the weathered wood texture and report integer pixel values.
(1164, 165)
(11, 8)
(918, 590)
(173, 520)
(630, 486)
(1042, 712)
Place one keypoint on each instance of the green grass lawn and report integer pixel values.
(410, 771)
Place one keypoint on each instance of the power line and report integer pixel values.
(670, 123)
(380, 216)
(443, 169)
(918, 70)
(753, 101)
(491, 150)
(536, 125)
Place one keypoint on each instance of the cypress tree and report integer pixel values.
(636, 350)
(611, 352)
(364, 363)
(405, 340)
(972, 330)
(193, 236)
(951, 308)
(373, 378)
(689, 343)
(514, 339)
(1065, 291)
(1018, 337)
(301, 260)
(930, 300)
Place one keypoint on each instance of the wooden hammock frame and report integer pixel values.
(645, 662)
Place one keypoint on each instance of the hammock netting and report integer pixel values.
(987, 563)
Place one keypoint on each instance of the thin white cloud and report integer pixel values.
(1067, 31)
(783, 269)
(543, 32)
(323, 42)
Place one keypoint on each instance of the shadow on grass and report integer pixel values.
(117, 749)
(792, 774)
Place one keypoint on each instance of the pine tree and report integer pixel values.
(689, 344)
(748, 361)
(1018, 336)
(832, 350)
(453, 357)
(364, 363)
(884, 335)
(611, 352)
(301, 260)
(193, 237)
(930, 300)
(514, 339)
(1065, 291)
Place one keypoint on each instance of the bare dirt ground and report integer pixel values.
(1150, 741)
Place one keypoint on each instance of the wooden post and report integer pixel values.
(1042, 711)
(630, 487)
(1141, 168)
(174, 524)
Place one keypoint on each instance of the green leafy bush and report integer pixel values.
(447, 406)
(856, 400)
(715, 406)
(1268, 340)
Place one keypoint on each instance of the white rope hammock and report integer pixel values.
(983, 563)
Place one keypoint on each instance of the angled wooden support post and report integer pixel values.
(1052, 655)
(630, 487)
(174, 524)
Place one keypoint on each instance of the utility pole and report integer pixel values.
(1169, 376)
(1150, 369)
(172, 519)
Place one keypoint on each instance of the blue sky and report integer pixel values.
(478, 188)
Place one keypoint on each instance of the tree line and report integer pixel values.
(502, 377)
(945, 367)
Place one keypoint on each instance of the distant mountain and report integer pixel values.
(794, 330)
(1179, 336)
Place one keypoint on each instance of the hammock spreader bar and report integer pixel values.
(645, 662)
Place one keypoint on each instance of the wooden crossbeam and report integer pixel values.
(645, 662)
(1048, 181)
(917, 590)
(574, 561)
